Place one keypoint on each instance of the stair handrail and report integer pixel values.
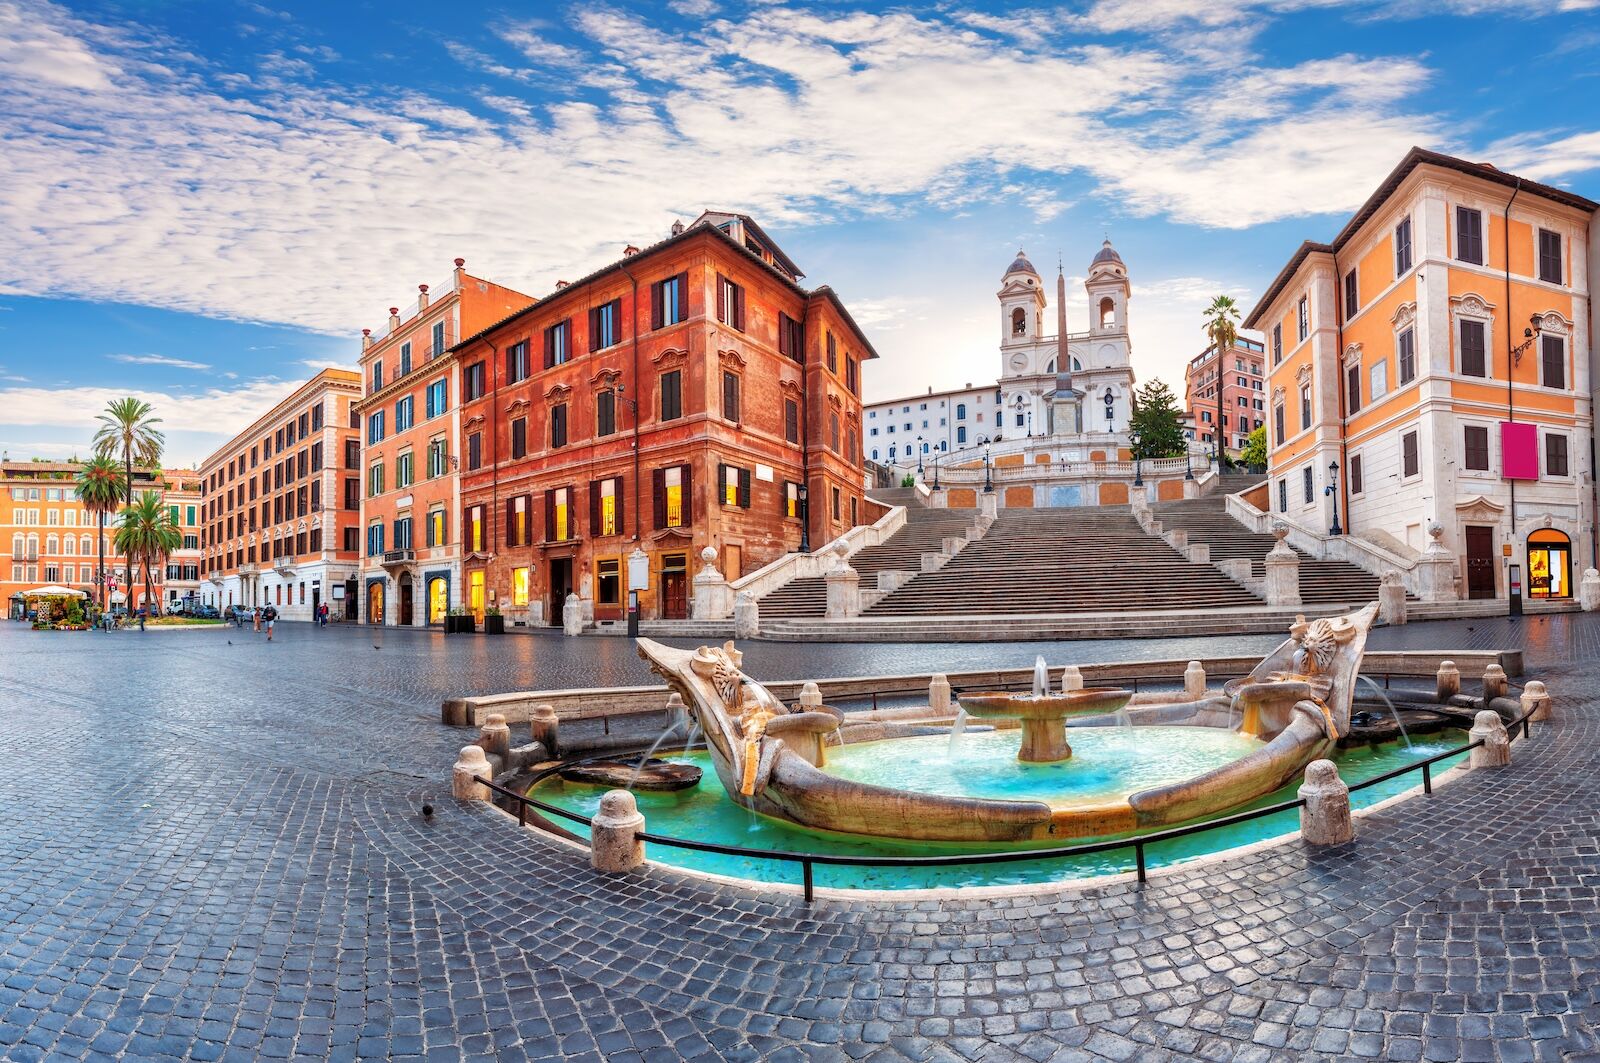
(770, 577)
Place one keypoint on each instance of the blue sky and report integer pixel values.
(201, 202)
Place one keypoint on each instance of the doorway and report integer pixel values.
(438, 599)
(405, 599)
(560, 587)
(350, 600)
(1480, 561)
(1549, 564)
(674, 587)
(316, 604)
(732, 562)
(375, 602)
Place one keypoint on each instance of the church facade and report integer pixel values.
(1056, 385)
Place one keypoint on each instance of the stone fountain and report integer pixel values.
(1043, 715)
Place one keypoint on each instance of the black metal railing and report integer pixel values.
(808, 861)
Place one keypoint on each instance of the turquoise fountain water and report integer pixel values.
(1109, 761)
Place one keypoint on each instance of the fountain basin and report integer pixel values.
(1266, 704)
(654, 775)
(1043, 716)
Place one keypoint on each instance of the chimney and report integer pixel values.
(629, 251)
(394, 318)
(422, 297)
(366, 338)
(560, 285)
(677, 228)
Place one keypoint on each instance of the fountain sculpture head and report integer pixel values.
(1318, 642)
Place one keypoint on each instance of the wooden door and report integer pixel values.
(732, 562)
(1480, 562)
(674, 596)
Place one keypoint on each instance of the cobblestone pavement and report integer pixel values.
(211, 849)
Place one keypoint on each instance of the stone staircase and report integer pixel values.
(924, 532)
(1206, 520)
(1070, 560)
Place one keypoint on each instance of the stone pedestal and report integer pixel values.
(810, 696)
(989, 503)
(614, 844)
(1494, 683)
(713, 599)
(1435, 571)
(1391, 598)
(677, 714)
(495, 737)
(470, 772)
(546, 727)
(1536, 699)
(939, 693)
(1496, 749)
(746, 616)
(1071, 679)
(1194, 681)
(844, 593)
(1448, 681)
(572, 616)
(1589, 590)
(1178, 539)
(1325, 817)
(1283, 571)
(1200, 553)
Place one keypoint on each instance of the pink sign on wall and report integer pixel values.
(1519, 450)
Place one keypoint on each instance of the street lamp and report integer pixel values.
(1332, 490)
(937, 455)
(988, 483)
(805, 519)
(1138, 460)
(919, 455)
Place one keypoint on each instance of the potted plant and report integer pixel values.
(458, 621)
(493, 622)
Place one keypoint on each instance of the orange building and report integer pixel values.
(410, 416)
(1430, 371)
(1243, 386)
(47, 537)
(282, 505)
(181, 493)
(692, 394)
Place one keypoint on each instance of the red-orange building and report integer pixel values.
(692, 394)
(1241, 376)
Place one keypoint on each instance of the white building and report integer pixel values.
(1072, 387)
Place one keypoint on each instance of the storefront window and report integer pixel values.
(475, 595)
(519, 586)
(609, 575)
(1549, 564)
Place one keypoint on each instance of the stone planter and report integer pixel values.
(493, 625)
(459, 625)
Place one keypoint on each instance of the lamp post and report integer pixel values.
(1138, 459)
(919, 455)
(1188, 455)
(936, 458)
(1333, 490)
(805, 519)
(988, 482)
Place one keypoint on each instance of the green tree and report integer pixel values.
(146, 533)
(100, 488)
(128, 431)
(1157, 422)
(1254, 453)
(1220, 318)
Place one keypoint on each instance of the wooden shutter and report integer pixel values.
(738, 308)
(783, 335)
(744, 488)
(572, 511)
(722, 484)
(683, 295)
(617, 481)
(655, 305)
(549, 347)
(550, 516)
(594, 506)
(722, 298)
(688, 496)
(658, 496)
(594, 329)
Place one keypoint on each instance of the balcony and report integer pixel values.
(215, 576)
(399, 557)
(249, 568)
(283, 565)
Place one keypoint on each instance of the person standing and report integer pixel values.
(141, 617)
(270, 615)
(255, 615)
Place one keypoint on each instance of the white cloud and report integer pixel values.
(39, 52)
(157, 359)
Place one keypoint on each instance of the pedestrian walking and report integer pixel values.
(271, 617)
(141, 617)
(255, 615)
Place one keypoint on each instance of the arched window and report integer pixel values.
(1108, 312)
(891, 453)
(1050, 368)
(69, 546)
(874, 453)
(1019, 322)
(942, 446)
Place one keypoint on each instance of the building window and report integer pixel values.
(374, 428)
(730, 303)
(1378, 382)
(833, 432)
(519, 530)
(1277, 343)
(436, 528)
(603, 325)
(1352, 296)
(352, 496)
(961, 434)
(1550, 269)
(402, 533)
(1555, 455)
(375, 385)
(472, 382)
(374, 481)
(474, 529)
(521, 586)
(558, 343)
(1355, 474)
(374, 540)
(791, 498)
(1303, 316)
(438, 340)
(1469, 235)
(403, 414)
(734, 485)
(669, 301)
(672, 395)
(605, 506)
(833, 355)
(352, 457)
(1283, 496)
(519, 437)
(605, 413)
(730, 395)
(475, 450)
(608, 581)
(558, 523)
(791, 421)
(1474, 360)
(1406, 356)
(1409, 464)
(1402, 247)
(850, 374)
(558, 426)
(1475, 440)
(316, 466)
(1352, 387)
(1305, 406)
(791, 338)
(517, 368)
(438, 456)
(1553, 361)
(405, 359)
(673, 495)
(1309, 484)
(403, 469)
(835, 492)
(437, 398)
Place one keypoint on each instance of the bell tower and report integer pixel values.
(1021, 298)
(1107, 286)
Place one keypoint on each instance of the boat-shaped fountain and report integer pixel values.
(1291, 709)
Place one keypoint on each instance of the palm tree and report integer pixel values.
(127, 431)
(147, 533)
(1220, 317)
(100, 488)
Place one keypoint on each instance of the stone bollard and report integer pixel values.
(1194, 681)
(546, 727)
(1491, 730)
(677, 714)
(1536, 699)
(1448, 683)
(1392, 598)
(495, 737)
(1283, 570)
(810, 696)
(1589, 590)
(469, 774)
(746, 616)
(939, 693)
(614, 844)
(572, 616)
(1494, 683)
(1325, 817)
(1071, 679)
